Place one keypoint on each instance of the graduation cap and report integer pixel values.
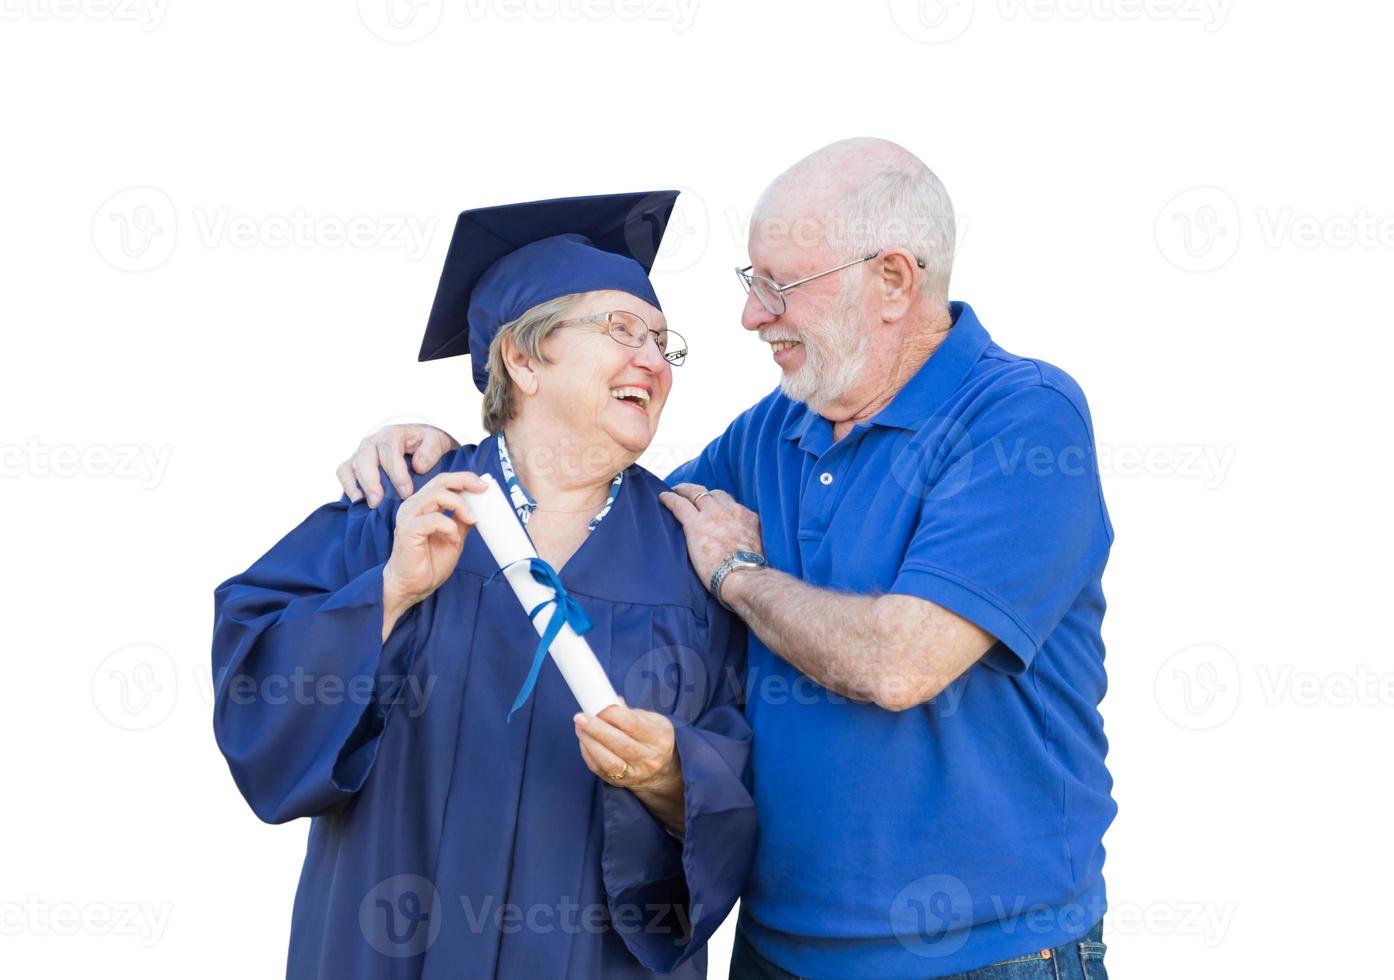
(505, 260)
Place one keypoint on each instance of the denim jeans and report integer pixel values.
(1079, 960)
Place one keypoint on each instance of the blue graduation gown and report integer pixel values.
(447, 842)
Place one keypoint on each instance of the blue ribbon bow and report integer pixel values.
(567, 612)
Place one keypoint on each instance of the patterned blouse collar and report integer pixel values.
(523, 501)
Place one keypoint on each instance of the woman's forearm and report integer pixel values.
(636, 750)
(394, 605)
(665, 803)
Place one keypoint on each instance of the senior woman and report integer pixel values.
(365, 665)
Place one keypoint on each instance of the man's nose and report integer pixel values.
(754, 315)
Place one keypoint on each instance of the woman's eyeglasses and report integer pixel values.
(631, 330)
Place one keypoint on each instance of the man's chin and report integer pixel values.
(798, 386)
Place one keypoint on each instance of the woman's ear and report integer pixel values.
(520, 367)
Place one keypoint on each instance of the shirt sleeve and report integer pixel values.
(701, 875)
(304, 686)
(1012, 526)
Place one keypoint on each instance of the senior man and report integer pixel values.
(912, 526)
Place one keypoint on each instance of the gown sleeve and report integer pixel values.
(304, 686)
(696, 880)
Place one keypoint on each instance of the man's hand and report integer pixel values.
(715, 526)
(388, 447)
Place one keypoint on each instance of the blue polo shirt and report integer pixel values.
(968, 830)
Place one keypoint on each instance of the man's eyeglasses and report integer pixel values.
(771, 294)
(631, 330)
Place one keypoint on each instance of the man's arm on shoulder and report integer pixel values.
(1001, 552)
(896, 651)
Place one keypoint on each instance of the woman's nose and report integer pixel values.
(649, 356)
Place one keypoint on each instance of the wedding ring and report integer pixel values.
(704, 493)
(615, 777)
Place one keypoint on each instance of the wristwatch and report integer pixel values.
(734, 562)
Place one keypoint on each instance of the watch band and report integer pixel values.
(718, 577)
(733, 562)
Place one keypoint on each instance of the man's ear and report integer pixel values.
(520, 367)
(899, 279)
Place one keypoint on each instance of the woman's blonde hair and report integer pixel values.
(528, 332)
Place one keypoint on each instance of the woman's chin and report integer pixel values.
(633, 434)
(635, 442)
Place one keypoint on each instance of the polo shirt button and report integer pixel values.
(825, 479)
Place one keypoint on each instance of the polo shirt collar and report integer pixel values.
(927, 390)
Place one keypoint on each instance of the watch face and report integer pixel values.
(750, 557)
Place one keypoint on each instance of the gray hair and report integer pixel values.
(528, 332)
(874, 195)
(910, 210)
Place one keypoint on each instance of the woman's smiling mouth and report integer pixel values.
(638, 397)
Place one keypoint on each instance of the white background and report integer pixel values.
(1186, 205)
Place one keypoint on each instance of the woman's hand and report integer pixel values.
(427, 543)
(636, 750)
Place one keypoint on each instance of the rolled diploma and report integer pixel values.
(498, 525)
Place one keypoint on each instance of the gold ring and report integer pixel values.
(615, 777)
(704, 493)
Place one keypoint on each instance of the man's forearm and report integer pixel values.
(825, 634)
(896, 651)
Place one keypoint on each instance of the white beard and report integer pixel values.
(835, 360)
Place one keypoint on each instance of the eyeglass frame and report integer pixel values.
(604, 317)
(747, 279)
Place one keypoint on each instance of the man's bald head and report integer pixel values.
(833, 172)
(858, 196)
